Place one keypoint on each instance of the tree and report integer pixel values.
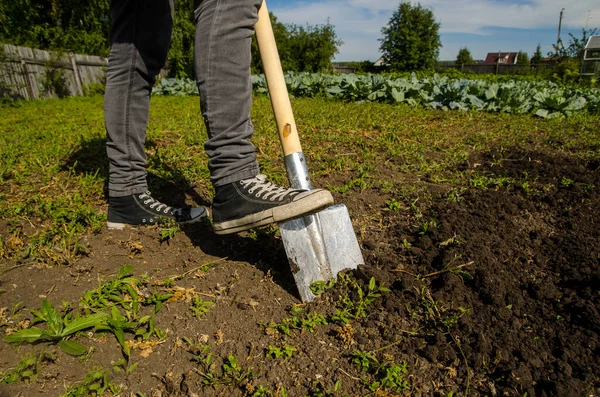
(464, 56)
(70, 25)
(301, 48)
(536, 59)
(83, 27)
(576, 46)
(281, 37)
(411, 40)
(522, 58)
(181, 54)
(312, 48)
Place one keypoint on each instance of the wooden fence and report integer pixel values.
(28, 73)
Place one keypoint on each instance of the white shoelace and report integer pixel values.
(266, 190)
(157, 205)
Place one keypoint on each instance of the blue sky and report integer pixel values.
(480, 25)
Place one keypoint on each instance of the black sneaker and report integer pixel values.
(142, 209)
(255, 202)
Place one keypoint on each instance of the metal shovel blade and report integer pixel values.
(319, 246)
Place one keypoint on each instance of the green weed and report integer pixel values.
(233, 372)
(385, 375)
(342, 316)
(320, 390)
(26, 369)
(440, 316)
(359, 183)
(230, 374)
(120, 291)
(112, 307)
(168, 229)
(318, 287)
(588, 188)
(201, 354)
(483, 182)
(59, 328)
(455, 195)
(306, 322)
(427, 227)
(261, 391)
(393, 205)
(286, 351)
(566, 182)
(9, 318)
(200, 306)
(96, 382)
(356, 308)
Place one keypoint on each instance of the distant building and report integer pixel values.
(380, 62)
(506, 58)
(342, 67)
(591, 57)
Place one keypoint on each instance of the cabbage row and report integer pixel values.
(544, 99)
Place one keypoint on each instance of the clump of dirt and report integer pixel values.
(493, 290)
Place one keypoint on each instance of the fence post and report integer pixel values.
(77, 76)
(30, 94)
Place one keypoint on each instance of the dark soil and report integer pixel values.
(499, 295)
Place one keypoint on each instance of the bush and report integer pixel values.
(94, 89)
(54, 82)
(566, 72)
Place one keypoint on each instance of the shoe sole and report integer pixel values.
(304, 204)
(121, 225)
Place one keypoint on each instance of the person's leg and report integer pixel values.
(223, 39)
(140, 38)
(243, 198)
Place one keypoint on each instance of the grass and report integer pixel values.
(53, 167)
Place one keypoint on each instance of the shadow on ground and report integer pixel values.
(262, 249)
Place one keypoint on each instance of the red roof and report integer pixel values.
(509, 58)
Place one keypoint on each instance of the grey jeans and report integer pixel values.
(140, 38)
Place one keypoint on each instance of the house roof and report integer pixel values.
(593, 42)
(493, 58)
(380, 62)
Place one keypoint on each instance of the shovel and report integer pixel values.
(318, 246)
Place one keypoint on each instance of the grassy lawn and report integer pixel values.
(53, 164)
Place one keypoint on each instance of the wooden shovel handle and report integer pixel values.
(288, 134)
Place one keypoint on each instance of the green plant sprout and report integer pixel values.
(168, 230)
(393, 205)
(386, 375)
(27, 368)
(318, 287)
(95, 383)
(320, 390)
(200, 306)
(307, 322)
(286, 351)
(357, 308)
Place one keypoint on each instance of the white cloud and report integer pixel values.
(471, 16)
(358, 22)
